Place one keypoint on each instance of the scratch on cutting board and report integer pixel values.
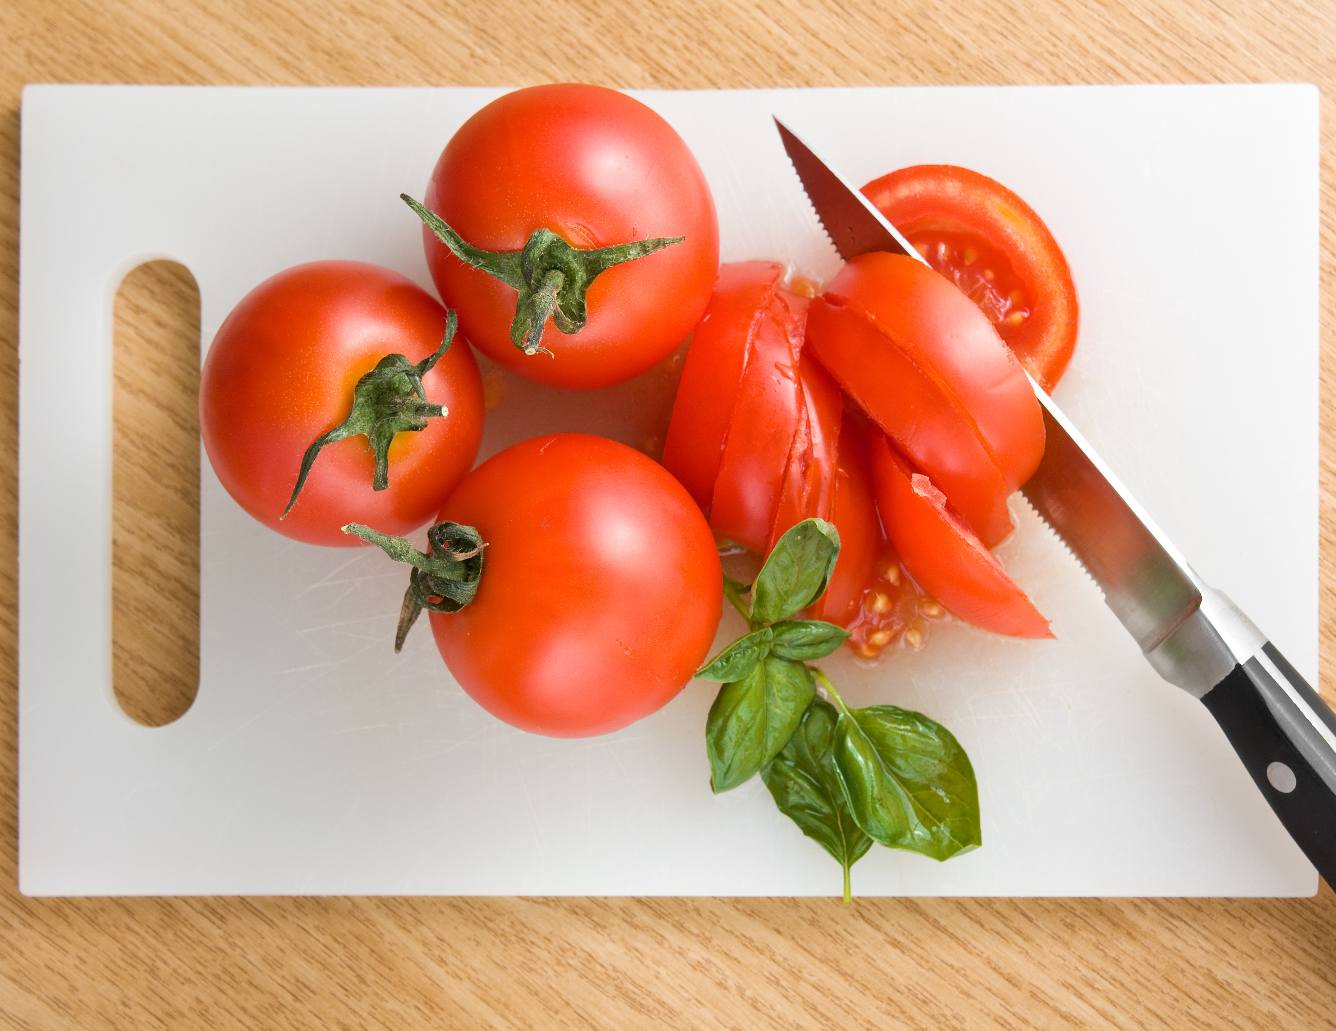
(309, 666)
(329, 577)
(340, 623)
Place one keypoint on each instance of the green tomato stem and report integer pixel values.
(388, 400)
(445, 578)
(550, 276)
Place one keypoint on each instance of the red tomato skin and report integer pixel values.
(601, 587)
(915, 410)
(944, 334)
(761, 431)
(855, 518)
(598, 168)
(971, 212)
(281, 371)
(943, 556)
(808, 488)
(712, 373)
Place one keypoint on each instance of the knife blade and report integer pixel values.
(1191, 634)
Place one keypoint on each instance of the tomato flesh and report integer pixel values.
(915, 410)
(944, 557)
(808, 488)
(711, 374)
(764, 422)
(855, 518)
(947, 340)
(600, 593)
(994, 246)
(893, 611)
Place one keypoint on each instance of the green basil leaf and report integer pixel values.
(803, 782)
(806, 639)
(796, 572)
(753, 718)
(908, 782)
(739, 658)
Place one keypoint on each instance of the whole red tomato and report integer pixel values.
(599, 170)
(599, 592)
(283, 370)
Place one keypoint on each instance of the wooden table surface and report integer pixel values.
(142, 963)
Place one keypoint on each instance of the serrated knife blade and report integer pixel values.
(1191, 634)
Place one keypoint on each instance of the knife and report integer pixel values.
(1191, 634)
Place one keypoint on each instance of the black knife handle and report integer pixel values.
(1274, 720)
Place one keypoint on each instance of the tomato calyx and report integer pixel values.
(444, 578)
(389, 399)
(550, 276)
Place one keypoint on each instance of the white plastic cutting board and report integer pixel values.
(315, 761)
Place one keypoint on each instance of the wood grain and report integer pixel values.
(145, 963)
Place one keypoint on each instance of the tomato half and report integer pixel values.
(997, 250)
(597, 168)
(281, 371)
(761, 431)
(600, 592)
(708, 389)
(940, 552)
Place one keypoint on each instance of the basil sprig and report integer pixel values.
(846, 777)
(767, 688)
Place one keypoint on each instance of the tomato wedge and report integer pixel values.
(854, 516)
(809, 481)
(711, 374)
(761, 431)
(915, 410)
(943, 335)
(939, 551)
(993, 246)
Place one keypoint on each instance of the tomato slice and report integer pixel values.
(943, 335)
(809, 481)
(915, 409)
(854, 516)
(939, 551)
(761, 431)
(711, 374)
(997, 250)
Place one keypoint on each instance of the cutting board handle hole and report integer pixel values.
(155, 493)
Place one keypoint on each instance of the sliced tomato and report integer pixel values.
(760, 433)
(940, 552)
(943, 335)
(915, 409)
(854, 516)
(808, 489)
(711, 374)
(997, 250)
